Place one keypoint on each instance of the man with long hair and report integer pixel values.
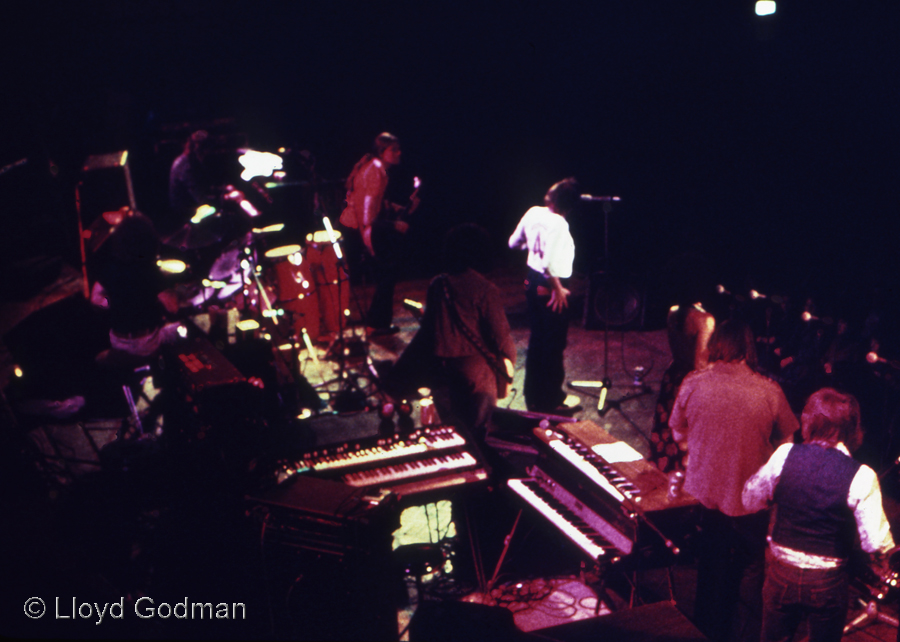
(732, 418)
(824, 499)
(464, 340)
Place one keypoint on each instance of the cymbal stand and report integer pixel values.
(350, 395)
(870, 615)
(885, 582)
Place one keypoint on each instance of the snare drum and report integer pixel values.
(329, 277)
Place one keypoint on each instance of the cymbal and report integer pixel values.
(275, 227)
(322, 237)
(171, 266)
(192, 237)
(283, 251)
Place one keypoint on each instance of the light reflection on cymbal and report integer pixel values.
(171, 266)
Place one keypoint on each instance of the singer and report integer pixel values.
(544, 232)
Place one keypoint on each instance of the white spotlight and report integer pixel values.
(765, 7)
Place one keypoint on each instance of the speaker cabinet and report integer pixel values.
(612, 302)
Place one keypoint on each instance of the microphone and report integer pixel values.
(722, 290)
(599, 199)
(874, 358)
(809, 316)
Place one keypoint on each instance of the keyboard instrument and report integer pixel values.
(430, 458)
(600, 506)
(353, 455)
(589, 464)
(415, 468)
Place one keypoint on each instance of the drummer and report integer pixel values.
(190, 185)
(132, 287)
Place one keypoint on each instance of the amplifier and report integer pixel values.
(200, 366)
(208, 395)
(324, 516)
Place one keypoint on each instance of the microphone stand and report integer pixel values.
(604, 403)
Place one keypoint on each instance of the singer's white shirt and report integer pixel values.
(546, 236)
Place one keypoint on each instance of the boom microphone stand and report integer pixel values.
(604, 386)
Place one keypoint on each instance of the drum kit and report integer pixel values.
(303, 289)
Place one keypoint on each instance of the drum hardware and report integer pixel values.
(194, 236)
(328, 267)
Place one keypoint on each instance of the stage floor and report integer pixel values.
(633, 359)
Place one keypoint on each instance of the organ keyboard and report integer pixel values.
(430, 458)
(346, 456)
(415, 468)
(598, 505)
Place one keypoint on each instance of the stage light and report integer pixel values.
(259, 164)
(18, 372)
(765, 7)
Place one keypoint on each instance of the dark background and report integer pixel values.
(767, 145)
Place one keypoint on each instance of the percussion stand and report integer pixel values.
(349, 396)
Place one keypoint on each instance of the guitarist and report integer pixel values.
(464, 343)
(376, 222)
